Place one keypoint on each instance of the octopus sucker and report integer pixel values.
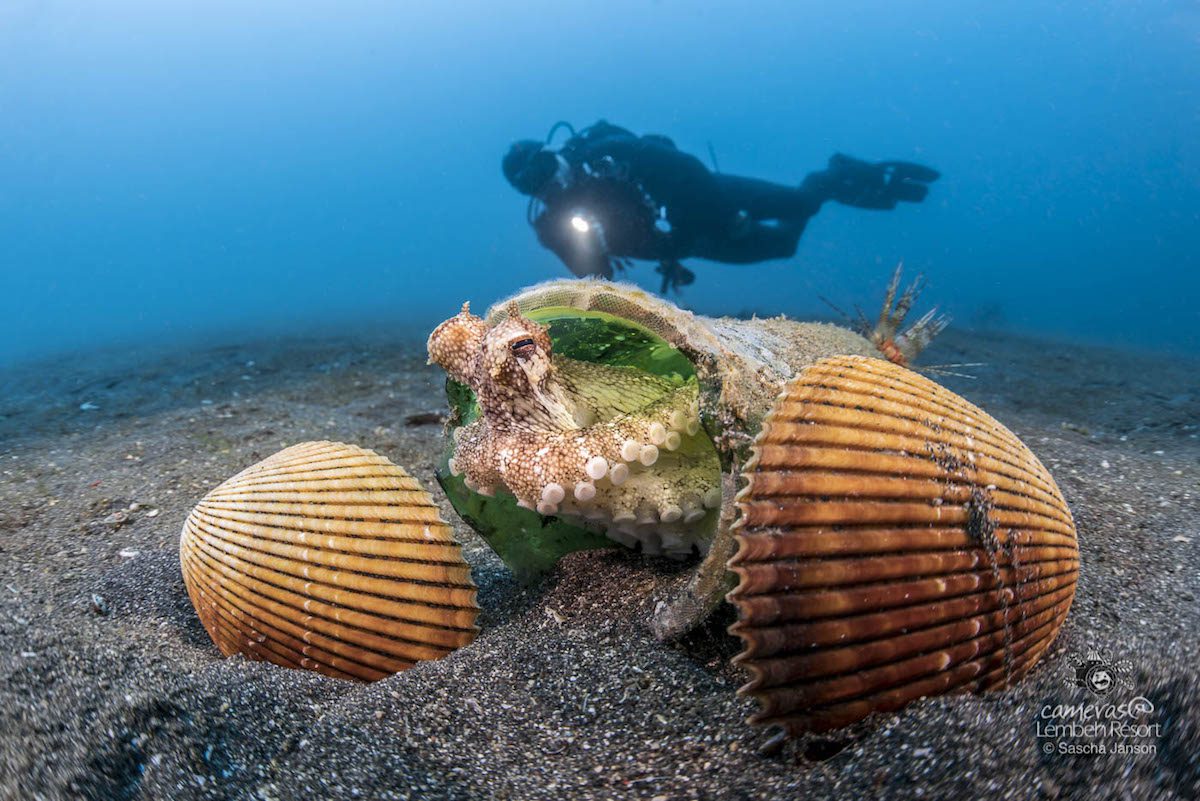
(617, 447)
(596, 468)
(623, 537)
(657, 433)
(651, 543)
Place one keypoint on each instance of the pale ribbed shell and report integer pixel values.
(895, 542)
(328, 557)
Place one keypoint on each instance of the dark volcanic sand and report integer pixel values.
(110, 688)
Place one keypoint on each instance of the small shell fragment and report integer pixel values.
(328, 557)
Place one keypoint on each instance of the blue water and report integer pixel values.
(182, 171)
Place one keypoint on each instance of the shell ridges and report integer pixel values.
(327, 557)
(894, 542)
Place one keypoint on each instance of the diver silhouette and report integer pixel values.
(608, 196)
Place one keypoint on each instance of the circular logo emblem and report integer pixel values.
(1099, 678)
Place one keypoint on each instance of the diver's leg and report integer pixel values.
(754, 243)
(764, 200)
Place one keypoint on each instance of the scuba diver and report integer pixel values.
(608, 196)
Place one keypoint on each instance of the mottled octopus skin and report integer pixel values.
(614, 446)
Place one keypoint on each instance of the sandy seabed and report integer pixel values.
(110, 688)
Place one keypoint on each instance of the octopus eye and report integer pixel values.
(524, 347)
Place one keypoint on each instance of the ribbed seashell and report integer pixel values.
(328, 557)
(894, 542)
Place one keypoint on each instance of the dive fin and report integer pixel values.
(864, 185)
(908, 171)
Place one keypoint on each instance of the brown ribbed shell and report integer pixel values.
(894, 542)
(328, 557)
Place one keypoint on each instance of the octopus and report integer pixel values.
(618, 449)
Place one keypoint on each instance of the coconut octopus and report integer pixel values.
(616, 448)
